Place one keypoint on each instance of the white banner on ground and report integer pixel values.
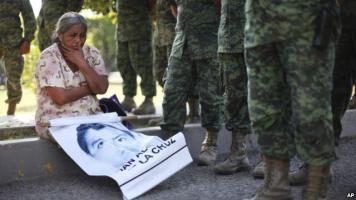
(102, 146)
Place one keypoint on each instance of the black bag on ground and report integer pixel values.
(112, 104)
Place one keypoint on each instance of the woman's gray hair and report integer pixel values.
(66, 21)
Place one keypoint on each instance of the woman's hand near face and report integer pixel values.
(74, 58)
(71, 44)
(98, 84)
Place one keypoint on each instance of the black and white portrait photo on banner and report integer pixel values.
(102, 146)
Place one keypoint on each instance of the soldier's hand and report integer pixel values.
(24, 47)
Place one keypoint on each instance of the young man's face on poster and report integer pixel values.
(111, 145)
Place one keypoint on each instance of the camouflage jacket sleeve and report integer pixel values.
(29, 20)
(75, 5)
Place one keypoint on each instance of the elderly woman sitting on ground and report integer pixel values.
(69, 75)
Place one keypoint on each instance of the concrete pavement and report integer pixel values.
(192, 183)
(35, 169)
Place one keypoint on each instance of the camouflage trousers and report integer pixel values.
(289, 99)
(135, 58)
(45, 32)
(233, 69)
(343, 76)
(182, 75)
(160, 62)
(14, 65)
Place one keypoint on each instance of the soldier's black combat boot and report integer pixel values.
(317, 182)
(193, 116)
(275, 184)
(145, 108)
(11, 108)
(237, 159)
(208, 152)
(128, 103)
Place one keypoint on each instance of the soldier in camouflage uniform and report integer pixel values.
(13, 43)
(343, 77)
(50, 12)
(193, 61)
(134, 53)
(231, 58)
(163, 37)
(289, 76)
(162, 44)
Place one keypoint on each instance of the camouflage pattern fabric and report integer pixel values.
(134, 48)
(197, 26)
(235, 96)
(160, 62)
(289, 82)
(182, 75)
(50, 12)
(345, 65)
(231, 29)
(193, 63)
(135, 58)
(232, 65)
(165, 23)
(133, 20)
(294, 17)
(162, 38)
(11, 35)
